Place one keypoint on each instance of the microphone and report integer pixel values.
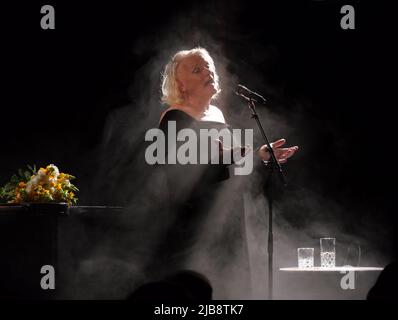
(249, 95)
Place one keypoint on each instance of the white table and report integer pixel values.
(334, 269)
(319, 283)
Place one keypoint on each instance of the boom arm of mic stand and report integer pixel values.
(274, 161)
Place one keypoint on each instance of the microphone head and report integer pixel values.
(242, 95)
(248, 94)
(241, 89)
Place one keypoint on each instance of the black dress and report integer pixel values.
(205, 230)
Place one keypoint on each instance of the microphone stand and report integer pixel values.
(272, 164)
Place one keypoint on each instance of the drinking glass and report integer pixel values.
(328, 252)
(305, 257)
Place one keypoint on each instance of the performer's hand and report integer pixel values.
(281, 154)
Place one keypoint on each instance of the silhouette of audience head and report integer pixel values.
(386, 286)
(185, 286)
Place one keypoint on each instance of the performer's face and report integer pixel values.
(195, 77)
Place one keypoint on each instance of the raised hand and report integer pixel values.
(281, 154)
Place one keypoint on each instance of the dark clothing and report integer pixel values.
(196, 177)
(205, 230)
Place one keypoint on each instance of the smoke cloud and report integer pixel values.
(303, 212)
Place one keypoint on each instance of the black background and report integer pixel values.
(59, 86)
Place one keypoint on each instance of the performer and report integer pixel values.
(205, 209)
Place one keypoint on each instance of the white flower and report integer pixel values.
(54, 170)
(34, 181)
(28, 187)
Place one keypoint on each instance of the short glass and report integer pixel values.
(305, 257)
(328, 252)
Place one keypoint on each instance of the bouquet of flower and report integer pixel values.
(45, 185)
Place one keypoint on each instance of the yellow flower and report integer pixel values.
(18, 199)
(47, 184)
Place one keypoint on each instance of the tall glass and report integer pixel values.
(328, 252)
(305, 257)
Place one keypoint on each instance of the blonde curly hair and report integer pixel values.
(171, 93)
